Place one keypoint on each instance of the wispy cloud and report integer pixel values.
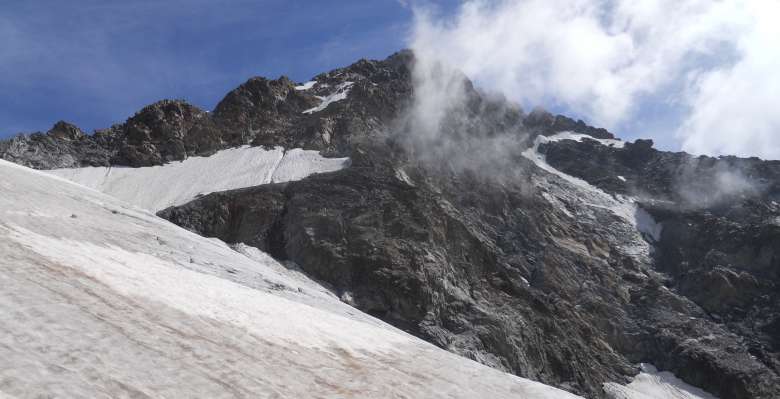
(602, 59)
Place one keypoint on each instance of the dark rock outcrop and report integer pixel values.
(259, 112)
(491, 270)
(63, 146)
(719, 222)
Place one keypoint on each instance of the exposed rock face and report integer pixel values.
(510, 263)
(444, 267)
(259, 112)
(720, 231)
(492, 271)
(65, 131)
(63, 146)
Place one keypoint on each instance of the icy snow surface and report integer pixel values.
(157, 187)
(101, 299)
(652, 384)
(342, 91)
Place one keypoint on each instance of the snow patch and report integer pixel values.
(654, 384)
(401, 175)
(157, 187)
(579, 137)
(306, 86)
(298, 164)
(647, 225)
(341, 93)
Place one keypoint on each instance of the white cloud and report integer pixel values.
(600, 58)
(734, 109)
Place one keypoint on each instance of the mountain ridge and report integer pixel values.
(504, 239)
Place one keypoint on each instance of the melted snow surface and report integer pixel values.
(652, 384)
(341, 93)
(101, 299)
(157, 187)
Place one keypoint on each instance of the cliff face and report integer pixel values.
(554, 251)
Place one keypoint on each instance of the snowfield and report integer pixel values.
(652, 384)
(101, 299)
(157, 187)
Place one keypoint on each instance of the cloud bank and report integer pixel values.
(605, 60)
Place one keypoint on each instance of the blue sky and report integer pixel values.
(96, 62)
(697, 75)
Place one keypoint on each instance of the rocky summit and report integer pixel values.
(529, 242)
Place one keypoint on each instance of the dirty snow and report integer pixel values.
(157, 187)
(341, 93)
(654, 384)
(101, 299)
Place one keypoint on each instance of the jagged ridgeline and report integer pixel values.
(529, 242)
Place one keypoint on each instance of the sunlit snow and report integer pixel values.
(101, 299)
(306, 86)
(654, 384)
(157, 187)
(579, 137)
(341, 93)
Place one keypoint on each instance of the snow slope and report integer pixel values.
(100, 299)
(157, 187)
(654, 384)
